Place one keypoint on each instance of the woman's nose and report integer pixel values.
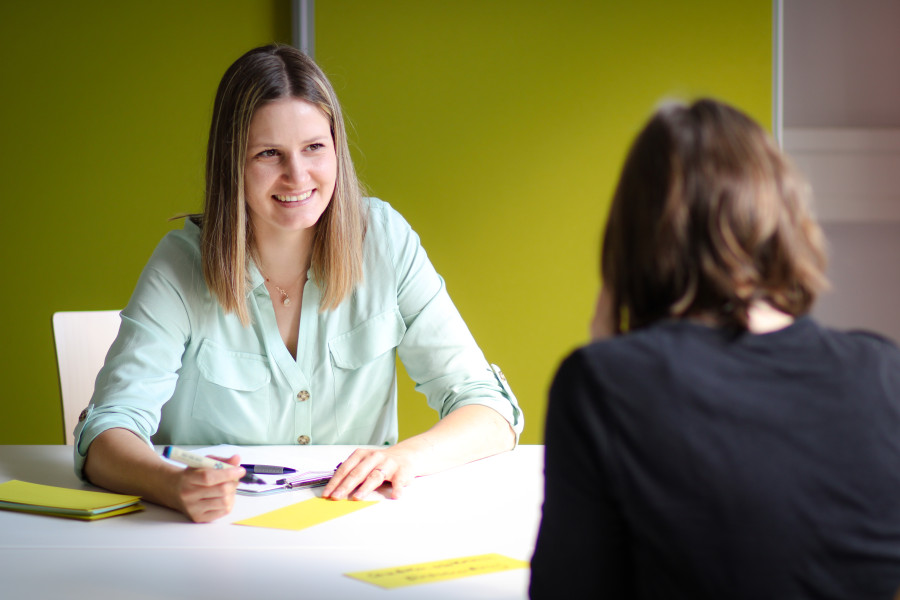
(294, 168)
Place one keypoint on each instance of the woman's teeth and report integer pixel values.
(302, 196)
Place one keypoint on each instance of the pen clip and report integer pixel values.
(308, 483)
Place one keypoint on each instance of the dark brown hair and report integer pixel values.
(707, 218)
(262, 75)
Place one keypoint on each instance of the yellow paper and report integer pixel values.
(305, 514)
(52, 500)
(441, 570)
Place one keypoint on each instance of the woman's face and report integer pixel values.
(291, 167)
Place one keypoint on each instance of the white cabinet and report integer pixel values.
(840, 101)
(854, 172)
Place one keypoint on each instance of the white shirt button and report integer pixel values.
(303, 396)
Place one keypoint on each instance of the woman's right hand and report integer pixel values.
(121, 462)
(205, 495)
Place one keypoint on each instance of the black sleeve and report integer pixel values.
(581, 549)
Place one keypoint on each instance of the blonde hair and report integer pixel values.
(262, 75)
(707, 218)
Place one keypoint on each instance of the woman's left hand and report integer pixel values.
(367, 469)
(468, 433)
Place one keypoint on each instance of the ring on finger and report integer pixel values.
(380, 471)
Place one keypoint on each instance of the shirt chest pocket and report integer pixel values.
(367, 341)
(233, 392)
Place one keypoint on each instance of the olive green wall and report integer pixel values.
(497, 127)
(105, 110)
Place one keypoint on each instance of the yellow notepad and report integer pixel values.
(305, 514)
(64, 502)
(441, 570)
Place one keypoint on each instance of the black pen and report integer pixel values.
(268, 469)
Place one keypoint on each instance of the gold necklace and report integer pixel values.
(285, 298)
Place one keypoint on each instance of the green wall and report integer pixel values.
(105, 111)
(497, 127)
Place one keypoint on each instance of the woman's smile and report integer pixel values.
(293, 198)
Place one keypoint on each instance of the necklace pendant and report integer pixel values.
(286, 301)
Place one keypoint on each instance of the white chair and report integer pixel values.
(82, 340)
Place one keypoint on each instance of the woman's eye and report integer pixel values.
(316, 146)
(268, 153)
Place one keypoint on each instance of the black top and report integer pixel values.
(689, 462)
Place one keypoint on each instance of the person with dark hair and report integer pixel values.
(714, 441)
(276, 316)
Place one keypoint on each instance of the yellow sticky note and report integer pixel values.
(441, 570)
(305, 514)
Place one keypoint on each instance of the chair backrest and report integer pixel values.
(82, 340)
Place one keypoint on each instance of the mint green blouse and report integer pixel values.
(181, 371)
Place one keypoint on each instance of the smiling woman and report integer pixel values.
(276, 316)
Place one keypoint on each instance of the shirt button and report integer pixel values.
(303, 439)
(303, 396)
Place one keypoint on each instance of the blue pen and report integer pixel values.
(268, 469)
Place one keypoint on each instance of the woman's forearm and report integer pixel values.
(468, 433)
(120, 461)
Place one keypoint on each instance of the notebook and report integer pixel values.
(55, 501)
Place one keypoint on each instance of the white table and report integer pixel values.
(490, 506)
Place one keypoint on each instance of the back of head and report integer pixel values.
(708, 218)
